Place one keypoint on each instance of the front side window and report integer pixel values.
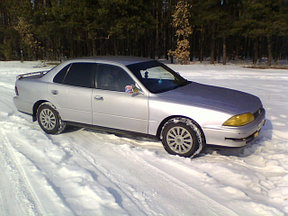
(113, 78)
(157, 77)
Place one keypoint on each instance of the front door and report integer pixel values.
(113, 105)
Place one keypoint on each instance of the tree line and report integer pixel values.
(214, 30)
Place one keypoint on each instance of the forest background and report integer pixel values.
(210, 30)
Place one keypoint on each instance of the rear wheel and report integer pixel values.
(49, 119)
(182, 137)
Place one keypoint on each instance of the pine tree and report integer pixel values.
(261, 21)
(69, 28)
(183, 31)
(28, 40)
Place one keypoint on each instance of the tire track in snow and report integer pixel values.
(6, 86)
(201, 198)
(109, 182)
(264, 176)
(9, 109)
(68, 163)
(27, 201)
(43, 191)
(200, 174)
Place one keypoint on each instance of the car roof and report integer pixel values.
(120, 60)
(124, 60)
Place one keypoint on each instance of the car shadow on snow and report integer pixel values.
(71, 129)
(108, 131)
(245, 151)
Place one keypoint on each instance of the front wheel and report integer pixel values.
(49, 119)
(182, 137)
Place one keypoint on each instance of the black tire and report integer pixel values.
(182, 137)
(49, 119)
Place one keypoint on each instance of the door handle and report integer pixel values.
(98, 97)
(54, 92)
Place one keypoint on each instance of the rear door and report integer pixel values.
(72, 90)
(115, 108)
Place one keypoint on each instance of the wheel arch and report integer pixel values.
(35, 108)
(162, 124)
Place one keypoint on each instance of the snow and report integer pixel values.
(86, 172)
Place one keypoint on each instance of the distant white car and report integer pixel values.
(143, 96)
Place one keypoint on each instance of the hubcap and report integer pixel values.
(47, 119)
(179, 140)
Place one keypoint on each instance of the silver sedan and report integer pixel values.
(142, 96)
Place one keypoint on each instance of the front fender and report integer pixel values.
(160, 111)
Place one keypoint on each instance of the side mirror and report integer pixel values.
(133, 90)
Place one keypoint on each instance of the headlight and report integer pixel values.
(239, 120)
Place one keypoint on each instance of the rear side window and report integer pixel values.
(61, 74)
(77, 74)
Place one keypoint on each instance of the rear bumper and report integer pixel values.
(235, 136)
(23, 106)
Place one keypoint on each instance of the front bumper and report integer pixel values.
(235, 136)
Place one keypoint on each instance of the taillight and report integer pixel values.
(16, 91)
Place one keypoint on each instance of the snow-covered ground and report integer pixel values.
(85, 172)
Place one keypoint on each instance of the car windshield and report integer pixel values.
(157, 77)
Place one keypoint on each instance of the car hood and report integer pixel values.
(212, 97)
